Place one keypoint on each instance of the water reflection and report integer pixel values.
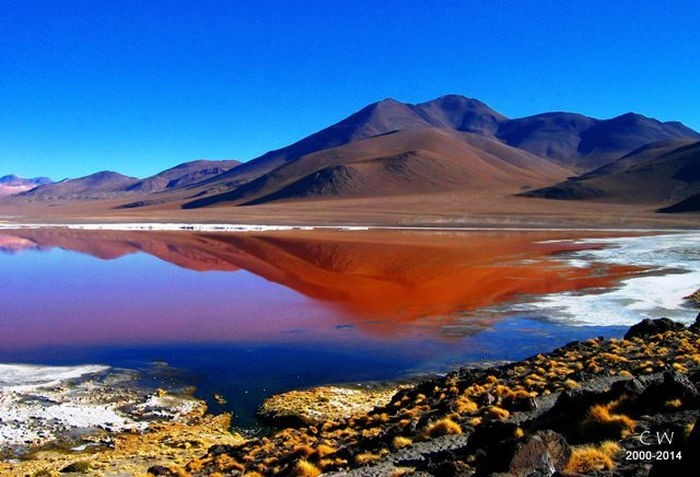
(316, 285)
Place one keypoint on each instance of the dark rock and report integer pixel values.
(695, 327)
(161, 470)
(689, 464)
(519, 404)
(649, 327)
(542, 453)
(654, 398)
(632, 388)
(76, 467)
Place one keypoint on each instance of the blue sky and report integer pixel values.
(138, 86)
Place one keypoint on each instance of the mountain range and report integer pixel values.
(450, 144)
(12, 184)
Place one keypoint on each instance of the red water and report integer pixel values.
(273, 286)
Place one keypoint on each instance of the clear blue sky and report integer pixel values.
(141, 85)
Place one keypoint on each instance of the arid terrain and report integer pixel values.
(452, 161)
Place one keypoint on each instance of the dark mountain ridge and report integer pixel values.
(667, 172)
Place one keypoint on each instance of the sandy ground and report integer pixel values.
(435, 209)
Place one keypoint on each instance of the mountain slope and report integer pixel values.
(12, 184)
(663, 173)
(405, 162)
(184, 174)
(586, 143)
(100, 185)
(389, 115)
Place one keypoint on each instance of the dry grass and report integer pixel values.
(305, 468)
(443, 427)
(366, 458)
(401, 441)
(586, 459)
(601, 414)
(464, 405)
(495, 412)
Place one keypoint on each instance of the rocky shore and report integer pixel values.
(618, 407)
(603, 407)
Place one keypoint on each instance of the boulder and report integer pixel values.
(650, 327)
(542, 453)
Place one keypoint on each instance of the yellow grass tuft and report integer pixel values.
(688, 429)
(464, 405)
(680, 368)
(443, 427)
(366, 458)
(610, 448)
(613, 358)
(602, 415)
(305, 468)
(400, 442)
(322, 450)
(673, 404)
(588, 459)
(571, 384)
(304, 450)
(496, 412)
(475, 421)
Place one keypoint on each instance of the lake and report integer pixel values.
(247, 315)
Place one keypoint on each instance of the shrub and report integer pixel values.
(443, 427)
(305, 468)
(400, 441)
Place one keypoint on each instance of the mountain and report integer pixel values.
(389, 148)
(409, 161)
(689, 204)
(101, 185)
(572, 140)
(585, 143)
(665, 172)
(388, 115)
(183, 175)
(12, 184)
(110, 185)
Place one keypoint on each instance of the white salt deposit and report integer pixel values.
(39, 404)
(673, 261)
(22, 377)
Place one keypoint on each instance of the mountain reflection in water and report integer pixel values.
(381, 283)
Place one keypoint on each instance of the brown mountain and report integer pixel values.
(572, 140)
(409, 161)
(664, 173)
(112, 185)
(389, 115)
(388, 148)
(586, 143)
(101, 185)
(183, 175)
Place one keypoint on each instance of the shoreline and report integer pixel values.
(443, 424)
(227, 227)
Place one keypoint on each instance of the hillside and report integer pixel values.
(410, 161)
(100, 185)
(666, 172)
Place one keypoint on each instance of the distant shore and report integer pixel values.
(226, 227)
